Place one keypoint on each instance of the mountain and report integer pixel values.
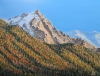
(38, 26)
(23, 55)
(91, 37)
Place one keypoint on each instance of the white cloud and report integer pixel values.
(81, 35)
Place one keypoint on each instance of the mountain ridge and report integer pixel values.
(41, 26)
(38, 26)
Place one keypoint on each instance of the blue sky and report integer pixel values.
(65, 15)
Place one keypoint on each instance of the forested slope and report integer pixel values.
(23, 55)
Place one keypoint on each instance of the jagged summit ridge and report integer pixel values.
(38, 26)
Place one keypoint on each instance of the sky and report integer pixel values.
(65, 15)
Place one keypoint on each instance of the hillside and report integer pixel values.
(2, 22)
(23, 55)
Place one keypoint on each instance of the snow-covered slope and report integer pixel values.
(91, 37)
(24, 21)
(38, 26)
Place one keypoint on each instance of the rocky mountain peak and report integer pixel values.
(40, 27)
(39, 14)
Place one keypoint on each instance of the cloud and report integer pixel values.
(81, 35)
(97, 36)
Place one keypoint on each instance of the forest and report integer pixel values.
(23, 55)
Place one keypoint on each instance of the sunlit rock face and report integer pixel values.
(38, 26)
